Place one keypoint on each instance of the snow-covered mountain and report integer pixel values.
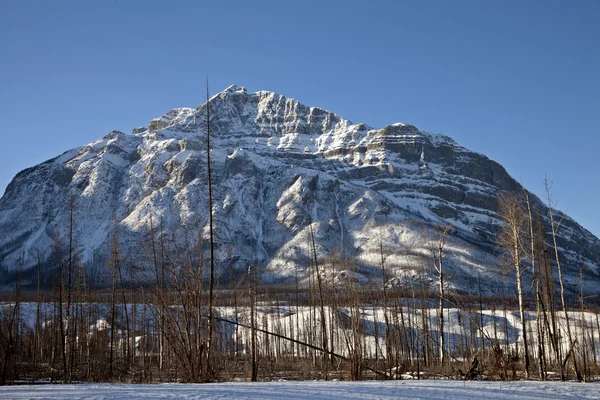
(279, 167)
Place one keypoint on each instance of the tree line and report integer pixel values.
(158, 318)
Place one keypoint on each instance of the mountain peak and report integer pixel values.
(235, 88)
(283, 171)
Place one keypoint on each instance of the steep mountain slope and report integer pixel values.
(280, 168)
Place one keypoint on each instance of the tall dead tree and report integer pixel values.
(438, 264)
(253, 344)
(68, 320)
(388, 346)
(321, 303)
(548, 295)
(555, 227)
(211, 240)
(114, 264)
(536, 277)
(511, 239)
(61, 298)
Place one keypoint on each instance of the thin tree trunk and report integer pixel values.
(212, 244)
(560, 280)
(323, 321)
(254, 366)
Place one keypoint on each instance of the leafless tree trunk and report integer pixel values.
(536, 277)
(511, 238)
(323, 320)
(252, 294)
(438, 265)
(555, 227)
(388, 344)
(114, 265)
(68, 323)
(583, 326)
(212, 244)
(38, 320)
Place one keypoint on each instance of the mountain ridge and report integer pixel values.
(281, 167)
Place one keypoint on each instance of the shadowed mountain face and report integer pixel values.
(279, 168)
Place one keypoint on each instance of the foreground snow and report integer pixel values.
(426, 389)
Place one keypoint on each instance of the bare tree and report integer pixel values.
(323, 320)
(388, 343)
(253, 349)
(555, 228)
(437, 253)
(535, 272)
(211, 239)
(512, 214)
(114, 266)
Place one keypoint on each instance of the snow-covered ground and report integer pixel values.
(505, 327)
(425, 389)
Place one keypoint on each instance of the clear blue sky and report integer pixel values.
(515, 80)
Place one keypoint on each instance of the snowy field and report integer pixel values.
(426, 389)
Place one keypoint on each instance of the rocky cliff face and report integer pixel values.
(280, 168)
